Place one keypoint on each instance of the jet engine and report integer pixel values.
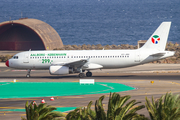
(60, 70)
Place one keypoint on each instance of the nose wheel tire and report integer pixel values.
(81, 75)
(27, 76)
(89, 74)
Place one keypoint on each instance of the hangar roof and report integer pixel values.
(47, 34)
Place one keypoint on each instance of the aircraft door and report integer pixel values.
(26, 58)
(137, 57)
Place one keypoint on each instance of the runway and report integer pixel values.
(166, 78)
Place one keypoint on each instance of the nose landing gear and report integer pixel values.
(28, 73)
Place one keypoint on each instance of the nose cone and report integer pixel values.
(7, 63)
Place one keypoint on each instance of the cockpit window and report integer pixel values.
(15, 57)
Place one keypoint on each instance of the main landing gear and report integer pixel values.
(81, 75)
(28, 73)
(88, 74)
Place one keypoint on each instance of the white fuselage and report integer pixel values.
(109, 59)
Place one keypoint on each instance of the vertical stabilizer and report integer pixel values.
(158, 39)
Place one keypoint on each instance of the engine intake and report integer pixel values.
(60, 70)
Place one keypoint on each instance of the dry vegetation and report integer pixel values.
(4, 58)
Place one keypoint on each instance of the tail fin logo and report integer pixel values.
(155, 39)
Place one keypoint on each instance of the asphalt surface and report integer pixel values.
(166, 78)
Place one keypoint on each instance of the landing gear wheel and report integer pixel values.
(28, 73)
(89, 74)
(27, 76)
(81, 75)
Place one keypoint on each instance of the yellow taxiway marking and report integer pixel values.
(16, 81)
(6, 70)
(151, 93)
(174, 83)
(5, 111)
(22, 114)
(75, 81)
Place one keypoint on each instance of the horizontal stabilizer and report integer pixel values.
(158, 54)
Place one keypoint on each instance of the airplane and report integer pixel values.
(60, 62)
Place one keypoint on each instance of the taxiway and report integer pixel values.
(166, 78)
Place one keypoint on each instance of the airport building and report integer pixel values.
(141, 43)
(25, 34)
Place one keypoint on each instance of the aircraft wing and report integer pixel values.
(73, 64)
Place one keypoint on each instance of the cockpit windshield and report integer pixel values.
(15, 57)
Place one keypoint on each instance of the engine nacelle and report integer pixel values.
(60, 70)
